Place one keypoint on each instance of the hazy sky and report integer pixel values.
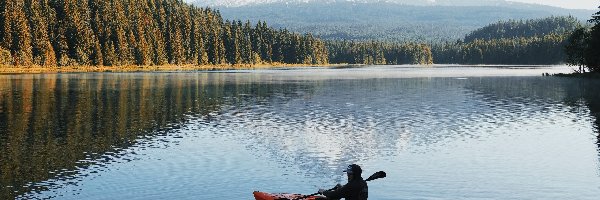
(579, 4)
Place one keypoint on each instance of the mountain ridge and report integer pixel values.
(383, 20)
(240, 3)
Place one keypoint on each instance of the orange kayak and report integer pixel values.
(283, 196)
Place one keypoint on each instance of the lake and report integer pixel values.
(440, 132)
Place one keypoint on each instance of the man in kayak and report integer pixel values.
(355, 189)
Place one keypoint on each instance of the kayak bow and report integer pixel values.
(283, 196)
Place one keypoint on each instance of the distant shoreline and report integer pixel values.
(591, 75)
(166, 68)
(136, 68)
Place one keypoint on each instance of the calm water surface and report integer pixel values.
(439, 132)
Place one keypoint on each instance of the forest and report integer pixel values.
(55, 33)
(379, 53)
(538, 41)
(535, 41)
(583, 46)
(525, 28)
(146, 32)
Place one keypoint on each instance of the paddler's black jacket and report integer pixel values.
(356, 189)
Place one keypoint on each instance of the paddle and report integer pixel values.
(376, 175)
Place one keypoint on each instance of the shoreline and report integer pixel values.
(590, 75)
(161, 68)
(180, 68)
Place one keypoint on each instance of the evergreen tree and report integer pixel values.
(576, 47)
(5, 57)
(17, 37)
(247, 53)
(141, 21)
(39, 14)
(592, 54)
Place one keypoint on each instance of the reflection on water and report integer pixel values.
(52, 126)
(588, 91)
(577, 96)
(198, 135)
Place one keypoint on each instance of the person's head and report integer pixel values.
(352, 171)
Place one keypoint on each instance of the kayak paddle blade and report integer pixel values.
(376, 175)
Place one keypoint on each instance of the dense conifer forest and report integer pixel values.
(525, 28)
(547, 49)
(379, 53)
(52, 33)
(539, 41)
(142, 32)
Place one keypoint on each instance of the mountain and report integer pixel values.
(392, 20)
(238, 3)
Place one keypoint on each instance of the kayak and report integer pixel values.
(283, 196)
(288, 196)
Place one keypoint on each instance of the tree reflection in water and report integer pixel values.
(579, 95)
(54, 125)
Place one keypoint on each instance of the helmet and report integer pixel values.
(353, 169)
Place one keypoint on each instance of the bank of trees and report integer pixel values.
(539, 41)
(583, 48)
(558, 25)
(380, 53)
(536, 41)
(145, 32)
(547, 49)
(160, 32)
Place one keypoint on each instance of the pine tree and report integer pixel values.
(5, 57)
(592, 53)
(17, 37)
(120, 36)
(3, 23)
(247, 54)
(39, 14)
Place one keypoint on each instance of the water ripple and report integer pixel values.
(435, 136)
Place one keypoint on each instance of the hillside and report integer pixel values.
(238, 3)
(390, 20)
(534, 41)
(524, 28)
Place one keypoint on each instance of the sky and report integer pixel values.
(576, 4)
